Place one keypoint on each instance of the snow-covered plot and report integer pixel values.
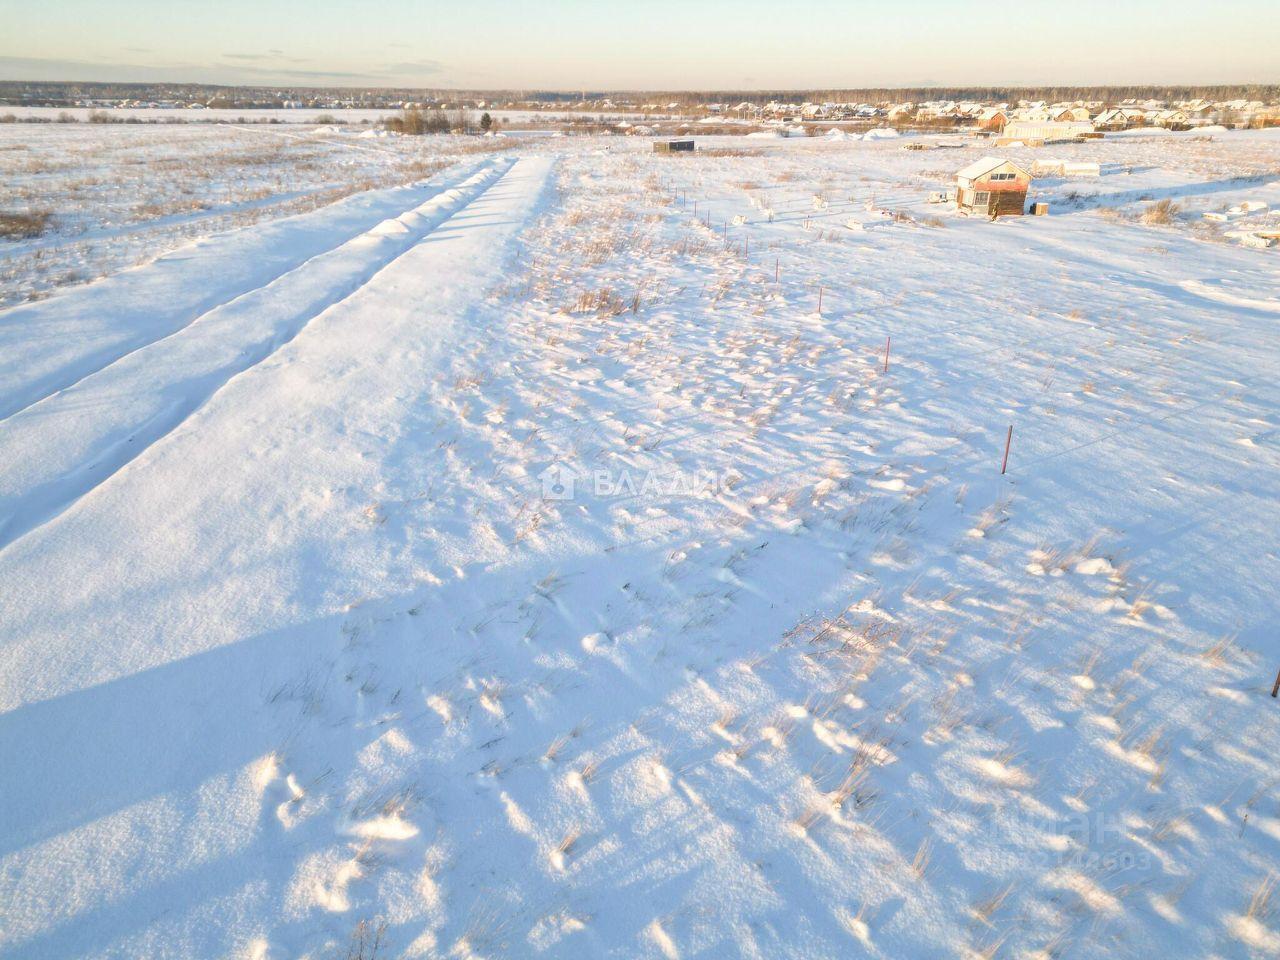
(119, 195)
(519, 564)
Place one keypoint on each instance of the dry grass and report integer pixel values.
(603, 301)
(1160, 213)
(489, 145)
(731, 152)
(1260, 902)
(169, 208)
(366, 940)
(24, 226)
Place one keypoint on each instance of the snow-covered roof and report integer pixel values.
(982, 167)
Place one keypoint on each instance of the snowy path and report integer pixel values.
(47, 346)
(56, 450)
(204, 569)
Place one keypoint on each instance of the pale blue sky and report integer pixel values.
(659, 44)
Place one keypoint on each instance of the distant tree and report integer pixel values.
(459, 121)
(486, 122)
(417, 122)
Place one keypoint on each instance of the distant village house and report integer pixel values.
(992, 118)
(1036, 132)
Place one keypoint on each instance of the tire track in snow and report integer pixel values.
(60, 449)
(121, 315)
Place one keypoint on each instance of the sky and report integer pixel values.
(657, 44)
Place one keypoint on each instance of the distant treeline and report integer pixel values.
(67, 92)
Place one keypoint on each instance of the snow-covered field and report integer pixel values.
(120, 195)
(517, 562)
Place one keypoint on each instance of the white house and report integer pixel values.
(1170, 118)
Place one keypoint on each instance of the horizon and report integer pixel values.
(978, 91)
(570, 45)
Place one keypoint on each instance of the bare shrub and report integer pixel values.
(416, 122)
(460, 121)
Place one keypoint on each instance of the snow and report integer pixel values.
(121, 194)
(514, 559)
(980, 167)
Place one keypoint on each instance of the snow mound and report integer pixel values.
(389, 228)
(881, 133)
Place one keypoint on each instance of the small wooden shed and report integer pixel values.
(673, 146)
(993, 186)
